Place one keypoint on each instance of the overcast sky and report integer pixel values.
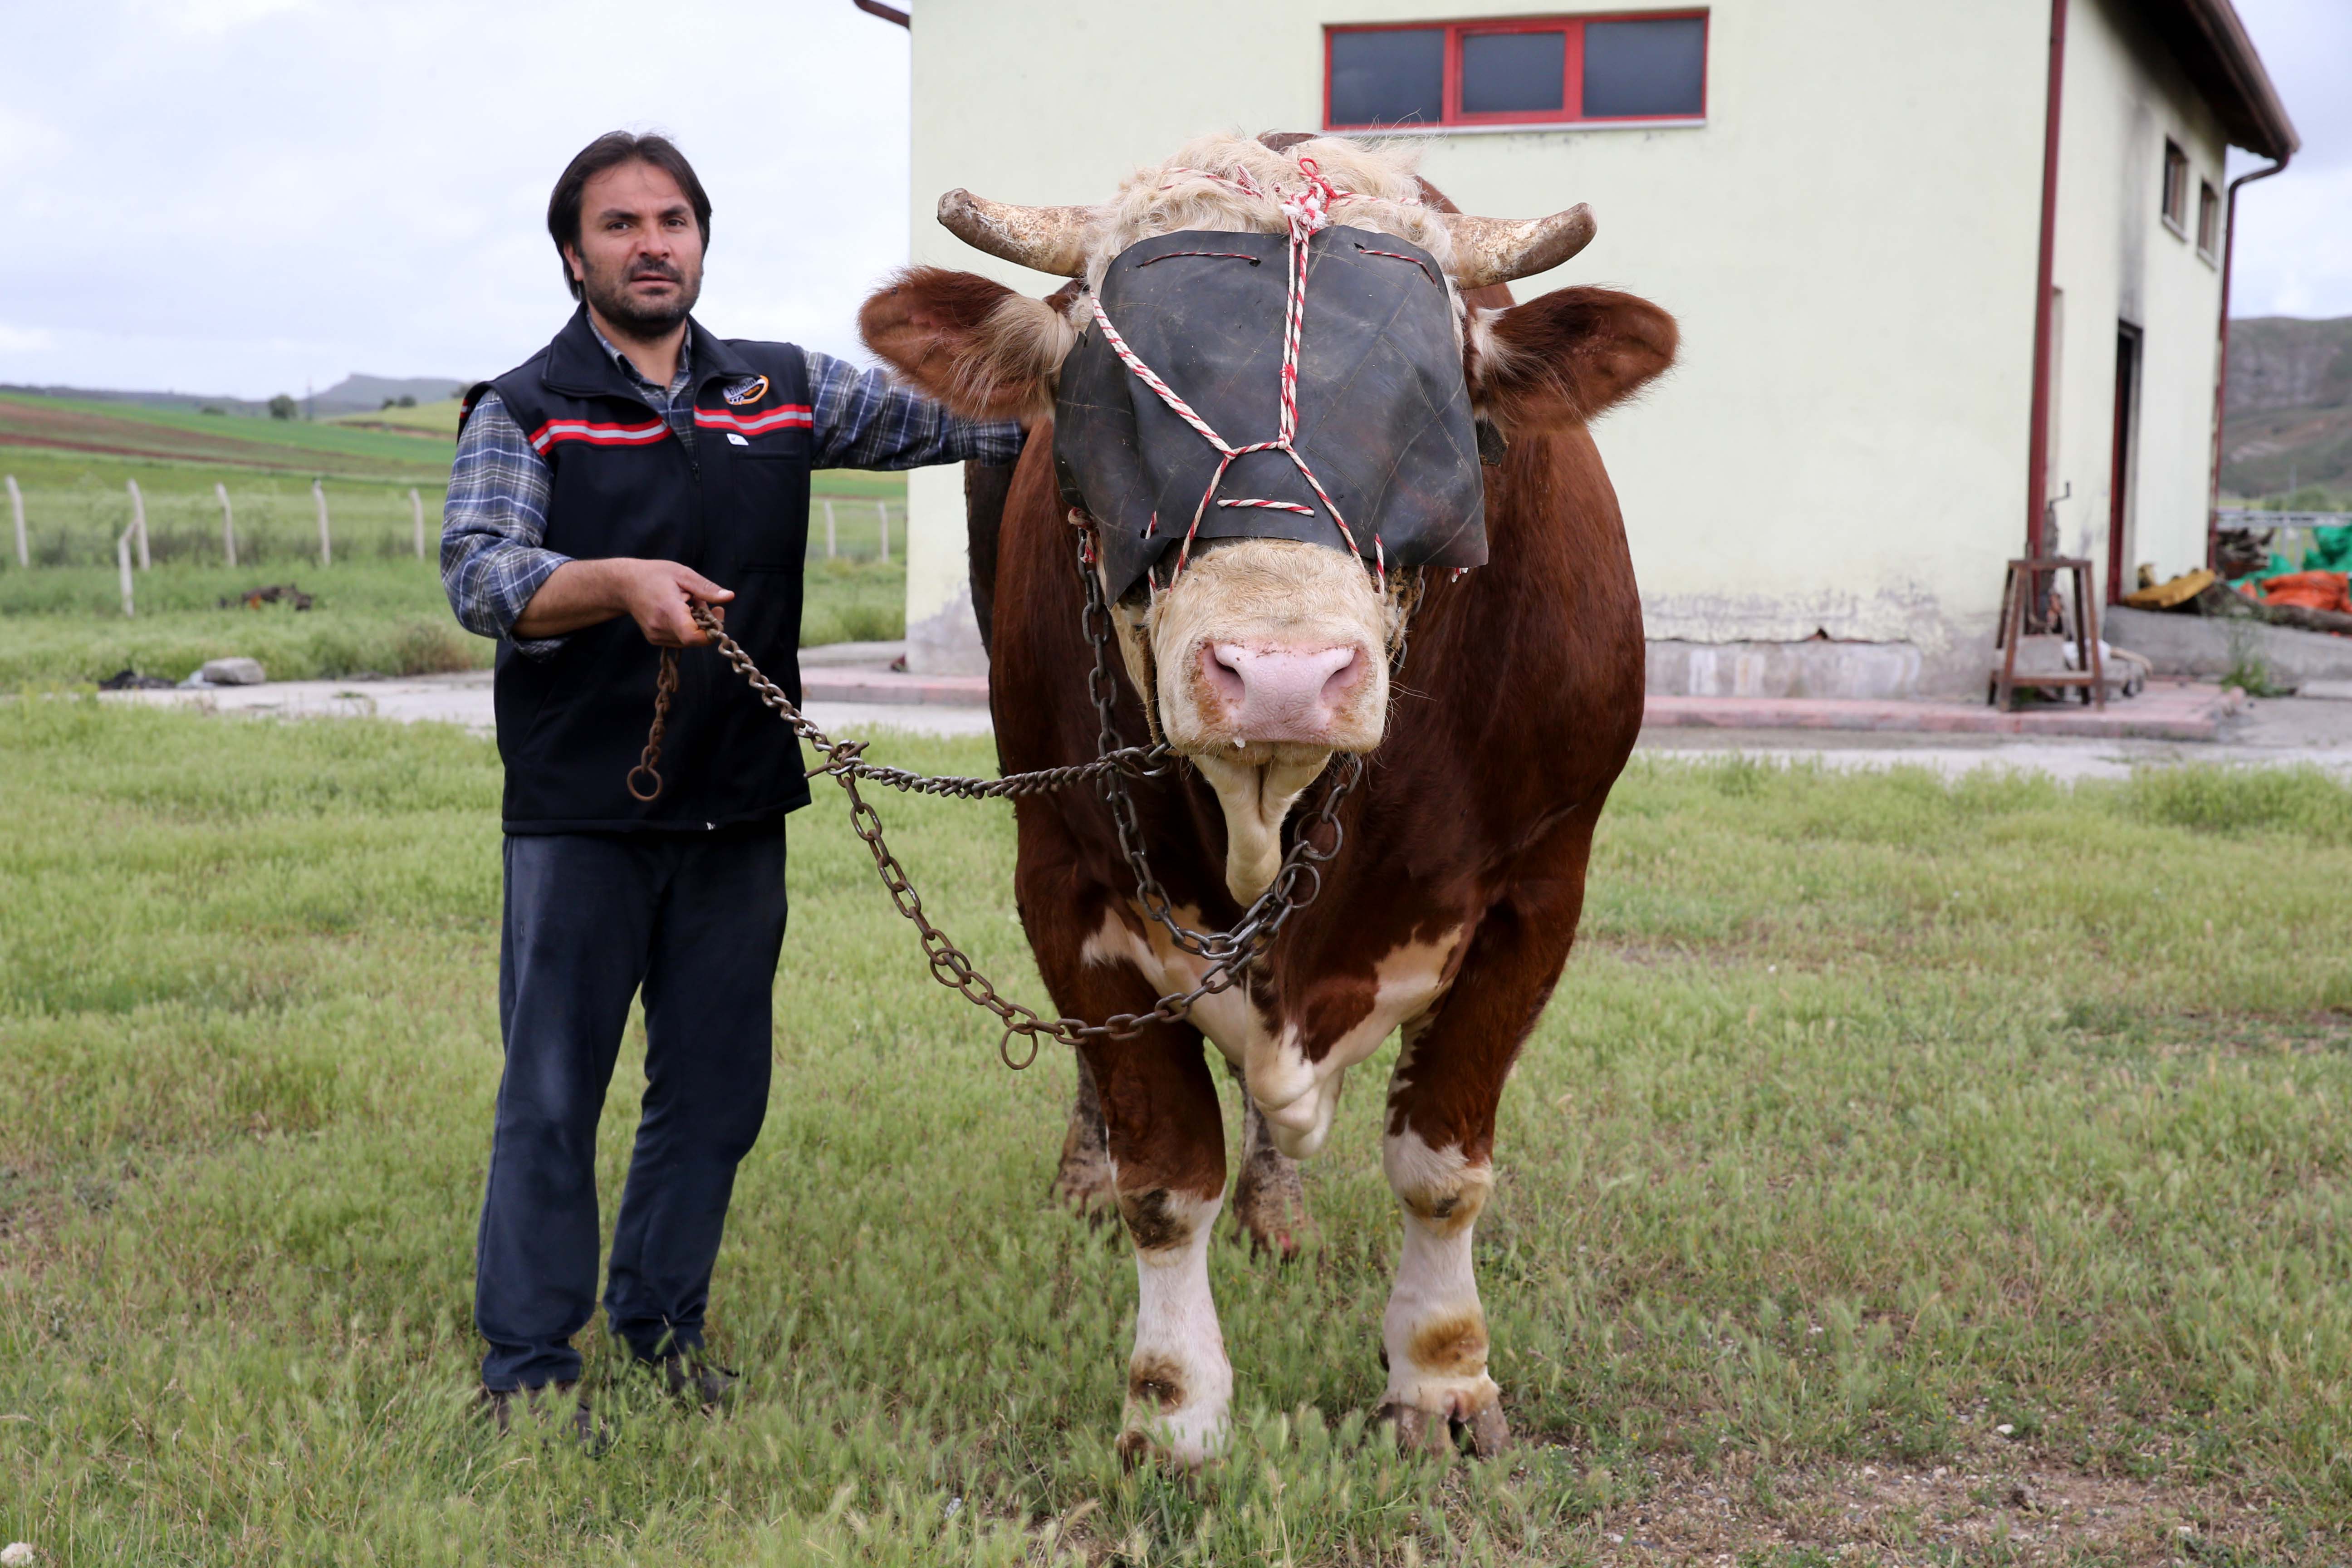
(243, 196)
(2295, 231)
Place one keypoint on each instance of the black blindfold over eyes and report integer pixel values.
(1383, 414)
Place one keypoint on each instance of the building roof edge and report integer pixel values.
(2215, 50)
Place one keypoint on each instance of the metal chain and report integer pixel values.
(847, 757)
(1232, 953)
(649, 764)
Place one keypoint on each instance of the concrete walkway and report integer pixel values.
(466, 699)
(851, 687)
(2287, 731)
(2166, 711)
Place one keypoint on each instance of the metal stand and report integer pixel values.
(2021, 590)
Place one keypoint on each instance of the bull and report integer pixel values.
(1492, 709)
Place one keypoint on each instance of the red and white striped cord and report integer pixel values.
(1307, 211)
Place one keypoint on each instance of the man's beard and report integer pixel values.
(610, 295)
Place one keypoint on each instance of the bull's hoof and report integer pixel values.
(1439, 1432)
(1270, 1206)
(1084, 1185)
(1277, 1242)
(1139, 1450)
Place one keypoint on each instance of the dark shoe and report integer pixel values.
(501, 1406)
(688, 1375)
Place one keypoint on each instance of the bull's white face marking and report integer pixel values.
(1179, 1383)
(1436, 1328)
(1266, 657)
(1296, 1097)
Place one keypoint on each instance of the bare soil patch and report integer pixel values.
(1997, 1505)
(75, 430)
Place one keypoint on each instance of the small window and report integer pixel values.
(2208, 219)
(1537, 70)
(1649, 68)
(1514, 73)
(2176, 188)
(1388, 76)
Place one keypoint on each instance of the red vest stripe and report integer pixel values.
(556, 430)
(789, 417)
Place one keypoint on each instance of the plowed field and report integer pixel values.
(293, 446)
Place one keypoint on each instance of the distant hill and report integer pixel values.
(2289, 424)
(192, 402)
(352, 394)
(366, 394)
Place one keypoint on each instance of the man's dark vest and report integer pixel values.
(571, 725)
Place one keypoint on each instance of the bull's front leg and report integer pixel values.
(1434, 1331)
(1269, 1198)
(1438, 1155)
(1166, 1146)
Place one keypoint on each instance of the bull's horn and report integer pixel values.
(1049, 240)
(1497, 251)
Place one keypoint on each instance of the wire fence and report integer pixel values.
(256, 523)
(179, 518)
(854, 529)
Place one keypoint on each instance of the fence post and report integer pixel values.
(17, 505)
(326, 541)
(228, 524)
(122, 561)
(417, 517)
(883, 508)
(828, 525)
(139, 522)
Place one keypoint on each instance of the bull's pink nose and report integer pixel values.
(1281, 693)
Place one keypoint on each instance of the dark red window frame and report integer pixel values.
(2174, 206)
(1571, 95)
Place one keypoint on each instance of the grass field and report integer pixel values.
(420, 419)
(1953, 1173)
(378, 608)
(66, 427)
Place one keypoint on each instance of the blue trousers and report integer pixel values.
(698, 923)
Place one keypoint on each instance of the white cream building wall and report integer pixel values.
(2118, 261)
(1849, 243)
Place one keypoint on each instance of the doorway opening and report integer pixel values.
(2119, 475)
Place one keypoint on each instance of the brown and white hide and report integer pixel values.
(1448, 915)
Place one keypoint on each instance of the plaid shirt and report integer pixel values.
(491, 558)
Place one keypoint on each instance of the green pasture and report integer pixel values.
(1880, 1128)
(437, 418)
(224, 441)
(379, 610)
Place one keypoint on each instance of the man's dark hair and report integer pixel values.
(610, 151)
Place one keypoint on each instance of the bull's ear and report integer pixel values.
(1566, 357)
(982, 350)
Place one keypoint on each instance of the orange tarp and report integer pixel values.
(2310, 590)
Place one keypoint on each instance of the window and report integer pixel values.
(1520, 71)
(2176, 188)
(2208, 219)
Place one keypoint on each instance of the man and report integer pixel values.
(636, 465)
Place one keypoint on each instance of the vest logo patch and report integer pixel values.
(744, 392)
